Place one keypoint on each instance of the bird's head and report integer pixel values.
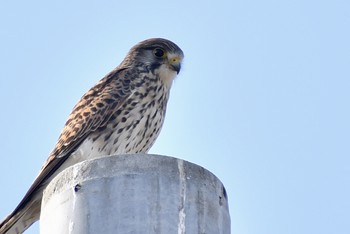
(160, 56)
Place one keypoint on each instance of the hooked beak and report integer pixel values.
(175, 63)
(176, 67)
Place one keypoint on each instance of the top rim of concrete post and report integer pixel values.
(135, 193)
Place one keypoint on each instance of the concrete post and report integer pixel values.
(138, 193)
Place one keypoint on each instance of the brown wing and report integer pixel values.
(93, 111)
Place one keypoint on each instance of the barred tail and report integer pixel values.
(21, 218)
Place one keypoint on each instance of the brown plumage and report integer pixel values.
(122, 113)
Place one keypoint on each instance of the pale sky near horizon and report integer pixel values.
(262, 100)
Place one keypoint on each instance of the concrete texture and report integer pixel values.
(138, 193)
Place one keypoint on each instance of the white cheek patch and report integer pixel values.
(166, 74)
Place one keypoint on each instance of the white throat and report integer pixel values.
(166, 75)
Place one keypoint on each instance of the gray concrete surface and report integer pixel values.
(138, 193)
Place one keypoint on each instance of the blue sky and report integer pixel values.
(262, 100)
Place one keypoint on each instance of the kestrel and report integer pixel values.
(123, 113)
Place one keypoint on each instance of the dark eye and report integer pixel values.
(159, 53)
